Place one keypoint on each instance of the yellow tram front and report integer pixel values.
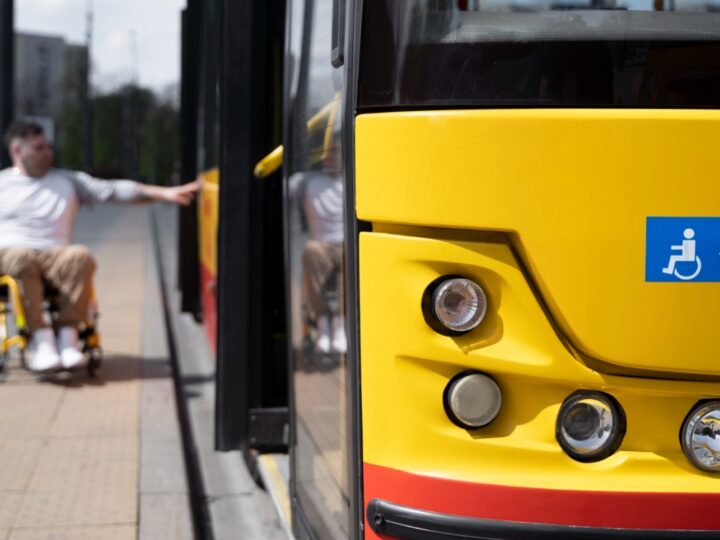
(538, 266)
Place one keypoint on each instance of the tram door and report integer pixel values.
(315, 246)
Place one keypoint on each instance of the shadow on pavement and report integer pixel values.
(116, 368)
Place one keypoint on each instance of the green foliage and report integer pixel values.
(135, 135)
(71, 156)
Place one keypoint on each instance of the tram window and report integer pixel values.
(568, 53)
(315, 218)
(210, 125)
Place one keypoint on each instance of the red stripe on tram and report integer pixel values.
(624, 510)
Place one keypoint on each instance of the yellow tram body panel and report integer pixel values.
(574, 189)
(208, 219)
(406, 367)
(208, 212)
(547, 211)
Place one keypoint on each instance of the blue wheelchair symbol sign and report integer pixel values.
(682, 249)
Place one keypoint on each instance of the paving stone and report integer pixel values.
(82, 414)
(16, 375)
(119, 447)
(118, 368)
(165, 515)
(120, 532)
(31, 388)
(19, 457)
(158, 405)
(163, 466)
(122, 343)
(87, 464)
(125, 337)
(110, 505)
(163, 462)
(125, 296)
(30, 416)
(106, 386)
(84, 480)
(234, 513)
(9, 508)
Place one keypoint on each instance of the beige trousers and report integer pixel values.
(67, 268)
(319, 260)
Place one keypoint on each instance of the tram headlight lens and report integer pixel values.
(472, 400)
(590, 426)
(701, 436)
(457, 304)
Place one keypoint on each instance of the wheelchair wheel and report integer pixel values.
(94, 361)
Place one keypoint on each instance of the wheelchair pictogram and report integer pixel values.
(687, 255)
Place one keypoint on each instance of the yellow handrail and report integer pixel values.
(274, 160)
(270, 163)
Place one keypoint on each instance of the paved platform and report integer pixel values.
(235, 507)
(100, 458)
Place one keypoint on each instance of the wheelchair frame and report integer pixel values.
(14, 333)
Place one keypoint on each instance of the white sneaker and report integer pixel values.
(339, 341)
(322, 338)
(43, 351)
(70, 355)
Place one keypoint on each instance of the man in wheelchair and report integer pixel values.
(38, 206)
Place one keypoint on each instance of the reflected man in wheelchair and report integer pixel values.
(38, 207)
(319, 193)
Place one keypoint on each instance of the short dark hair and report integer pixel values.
(21, 130)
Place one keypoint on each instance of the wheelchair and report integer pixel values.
(14, 334)
(311, 358)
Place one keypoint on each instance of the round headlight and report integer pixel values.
(701, 436)
(456, 305)
(590, 426)
(472, 400)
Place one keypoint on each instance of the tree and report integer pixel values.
(135, 134)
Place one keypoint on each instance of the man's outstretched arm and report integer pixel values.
(93, 190)
(182, 195)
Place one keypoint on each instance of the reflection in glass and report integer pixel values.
(315, 222)
(701, 438)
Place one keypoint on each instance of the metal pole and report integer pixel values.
(87, 104)
(133, 110)
(7, 71)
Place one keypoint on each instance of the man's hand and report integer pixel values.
(182, 195)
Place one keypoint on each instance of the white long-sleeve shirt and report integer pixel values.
(39, 213)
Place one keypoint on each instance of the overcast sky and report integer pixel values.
(154, 23)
